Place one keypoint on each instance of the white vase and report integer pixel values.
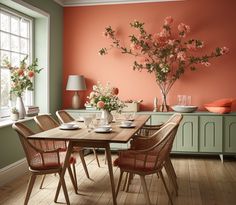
(20, 107)
(14, 116)
(106, 117)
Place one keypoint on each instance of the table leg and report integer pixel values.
(109, 164)
(66, 164)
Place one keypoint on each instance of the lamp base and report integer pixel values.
(76, 101)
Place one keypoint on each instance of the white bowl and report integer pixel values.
(67, 125)
(184, 108)
(126, 123)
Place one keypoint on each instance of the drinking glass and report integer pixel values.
(87, 121)
(189, 100)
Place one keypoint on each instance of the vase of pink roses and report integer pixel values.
(105, 98)
(167, 54)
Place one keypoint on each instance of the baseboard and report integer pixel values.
(12, 171)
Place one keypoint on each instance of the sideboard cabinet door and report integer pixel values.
(159, 119)
(187, 135)
(230, 134)
(211, 134)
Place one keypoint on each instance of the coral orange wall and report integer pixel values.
(211, 21)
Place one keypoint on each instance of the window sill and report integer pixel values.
(8, 122)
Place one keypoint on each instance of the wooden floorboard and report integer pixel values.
(201, 180)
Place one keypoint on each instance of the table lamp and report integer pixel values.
(76, 83)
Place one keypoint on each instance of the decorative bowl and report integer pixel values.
(219, 110)
(184, 108)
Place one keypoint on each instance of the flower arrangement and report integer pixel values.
(165, 53)
(105, 98)
(22, 76)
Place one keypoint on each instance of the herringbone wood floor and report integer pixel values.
(202, 181)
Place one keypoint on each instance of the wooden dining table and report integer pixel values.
(84, 137)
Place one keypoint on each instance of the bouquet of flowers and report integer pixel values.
(22, 76)
(165, 53)
(105, 98)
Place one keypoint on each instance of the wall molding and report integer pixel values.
(12, 171)
(68, 3)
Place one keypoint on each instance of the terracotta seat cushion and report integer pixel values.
(136, 162)
(50, 161)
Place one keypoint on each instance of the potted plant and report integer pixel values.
(14, 114)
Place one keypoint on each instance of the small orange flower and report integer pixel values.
(100, 104)
(115, 91)
(20, 71)
(31, 74)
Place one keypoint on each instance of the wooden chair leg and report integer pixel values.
(119, 181)
(125, 181)
(41, 184)
(130, 176)
(96, 156)
(81, 154)
(171, 167)
(105, 157)
(145, 191)
(171, 177)
(73, 180)
(29, 188)
(75, 176)
(166, 188)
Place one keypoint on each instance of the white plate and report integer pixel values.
(102, 130)
(75, 127)
(129, 126)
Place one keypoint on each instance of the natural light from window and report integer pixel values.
(15, 44)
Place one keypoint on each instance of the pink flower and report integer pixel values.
(191, 46)
(100, 104)
(171, 42)
(164, 33)
(168, 20)
(114, 91)
(207, 64)
(183, 28)
(224, 50)
(181, 56)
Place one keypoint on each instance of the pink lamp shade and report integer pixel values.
(76, 83)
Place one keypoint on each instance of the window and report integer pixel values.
(15, 44)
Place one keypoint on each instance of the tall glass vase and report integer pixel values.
(106, 117)
(164, 106)
(20, 107)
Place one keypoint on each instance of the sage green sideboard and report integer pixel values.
(198, 133)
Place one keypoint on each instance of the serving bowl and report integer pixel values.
(184, 108)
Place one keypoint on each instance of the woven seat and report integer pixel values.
(150, 160)
(145, 138)
(46, 122)
(40, 161)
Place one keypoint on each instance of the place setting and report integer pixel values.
(127, 124)
(69, 126)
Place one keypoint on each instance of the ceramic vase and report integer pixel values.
(106, 117)
(20, 107)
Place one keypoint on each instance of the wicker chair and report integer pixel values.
(141, 141)
(65, 117)
(42, 161)
(150, 160)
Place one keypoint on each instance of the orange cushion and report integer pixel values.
(219, 110)
(226, 102)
